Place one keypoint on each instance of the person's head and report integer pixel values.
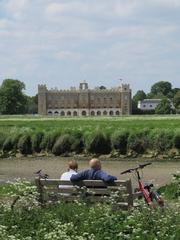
(95, 164)
(73, 165)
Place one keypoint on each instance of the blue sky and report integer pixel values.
(62, 42)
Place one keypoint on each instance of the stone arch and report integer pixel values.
(92, 113)
(56, 113)
(84, 113)
(105, 113)
(68, 113)
(117, 113)
(98, 113)
(62, 113)
(111, 113)
(75, 113)
(50, 113)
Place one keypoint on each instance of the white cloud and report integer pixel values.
(100, 8)
(16, 7)
(67, 55)
(96, 39)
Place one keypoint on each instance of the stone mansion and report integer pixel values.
(85, 101)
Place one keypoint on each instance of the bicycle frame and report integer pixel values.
(148, 195)
(145, 192)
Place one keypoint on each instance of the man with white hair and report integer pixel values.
(94, 173)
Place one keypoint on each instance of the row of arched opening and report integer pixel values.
(85, 113)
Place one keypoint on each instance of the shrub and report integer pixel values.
(138, 141)
(49, 140)
(77, 142)
(119, 141)
(36, 141)
(25, 144)
(7, 145)
(10, 143)
(176, 140)
(62, 145)
(162, 140)
(2, 139)
(98, 143)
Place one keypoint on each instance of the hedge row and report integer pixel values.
(98, 142)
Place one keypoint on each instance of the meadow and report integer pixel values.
(85, 221)
(86, 123)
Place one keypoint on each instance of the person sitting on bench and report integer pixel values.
(94, 173)
(72, 169)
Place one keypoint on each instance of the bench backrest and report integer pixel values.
(91, 190)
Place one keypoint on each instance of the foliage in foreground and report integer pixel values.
(82, 221)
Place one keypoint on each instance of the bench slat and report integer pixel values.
(70, 190)
(87, 183)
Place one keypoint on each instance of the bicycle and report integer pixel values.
(145, 189)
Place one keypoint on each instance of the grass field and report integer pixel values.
(108, 124)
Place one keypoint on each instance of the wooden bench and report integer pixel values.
(120, 192)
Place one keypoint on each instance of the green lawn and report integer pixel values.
(109, 123)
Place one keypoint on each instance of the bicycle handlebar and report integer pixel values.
(134, 169)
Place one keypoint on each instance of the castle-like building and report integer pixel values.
(85, 101)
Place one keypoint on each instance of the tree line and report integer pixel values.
(161, 90)
(13, 100)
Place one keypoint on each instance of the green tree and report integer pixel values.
(140, 95)
(164, 107)
(32, 104)
(176, 100)
(161, 87)
(12, 98)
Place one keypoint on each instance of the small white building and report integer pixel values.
(150, 104)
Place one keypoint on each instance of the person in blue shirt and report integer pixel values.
(94, 173)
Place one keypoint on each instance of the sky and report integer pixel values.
(62, 42)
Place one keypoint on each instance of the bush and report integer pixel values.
(119, 141)
(176, 140)
(162, 140)
(2, 139)
(62, 145)
(10, 143)
(36, 141)
(98, 143)
(49, 140)
(25, 144)
(77, 142)
(7, 145)
(139, 141)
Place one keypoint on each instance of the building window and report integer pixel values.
(111, 113)
(117, 113)
(74, 113)
(92, 113)
(150, 105)
(49, 112)
(62, 113)
(84, 113)
(105, 113)
(68, 113)
(98, 113)
(144, 105)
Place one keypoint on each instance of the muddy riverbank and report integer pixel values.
(160, 171)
